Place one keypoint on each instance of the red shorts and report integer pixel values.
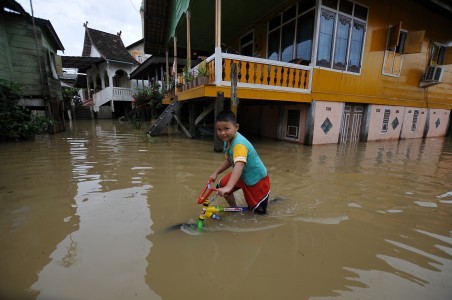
(254, 194)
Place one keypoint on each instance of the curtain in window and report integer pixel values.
(340, 52)
(273, 45)
(325, 38)
(356, 46)
(287, 41)
(305, 32)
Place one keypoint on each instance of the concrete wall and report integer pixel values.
(407, 132)
(438, 122)
(322, 111)
(375, 122)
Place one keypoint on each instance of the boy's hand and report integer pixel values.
(224, 191)
(213, 177)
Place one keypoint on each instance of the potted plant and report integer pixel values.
(188, 77)
(203, 73)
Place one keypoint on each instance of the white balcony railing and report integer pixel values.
(111, 94)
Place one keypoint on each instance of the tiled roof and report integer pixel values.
(109, 46)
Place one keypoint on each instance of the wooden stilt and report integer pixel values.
(219, 104)
(191, 118)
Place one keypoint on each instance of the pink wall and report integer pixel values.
(376, 115)
(407, 132)
(332, 111)
(438, 122)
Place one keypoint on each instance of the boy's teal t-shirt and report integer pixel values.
(242, 150)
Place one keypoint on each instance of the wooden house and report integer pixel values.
(28, 55)
(104, 73)
(313, 71)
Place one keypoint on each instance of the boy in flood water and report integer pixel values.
(248, 171)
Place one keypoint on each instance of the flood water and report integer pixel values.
(93, 213)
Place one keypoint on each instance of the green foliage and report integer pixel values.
(16, 122)
(188, 77)
(69, 92)
(148, 98)
(202, 69)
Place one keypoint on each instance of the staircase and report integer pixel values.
(82, 112)
(165, 117)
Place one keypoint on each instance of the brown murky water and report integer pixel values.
(90, 214)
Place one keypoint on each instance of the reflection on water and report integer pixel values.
(85, 215)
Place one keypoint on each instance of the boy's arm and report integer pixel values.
(224, 166)
(235, 176)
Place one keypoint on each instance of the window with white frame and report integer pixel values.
(399, 43)
(438, 54)
(290, 34)
(341, 35)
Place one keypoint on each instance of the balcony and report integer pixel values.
(111, 94)
(256, 79)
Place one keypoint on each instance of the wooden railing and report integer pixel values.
(257, 73)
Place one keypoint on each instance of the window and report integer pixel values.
(341, 35)
(246, 44)
(291, 33)
(400, 42)
(414, 123)
(293, 123)
(441, 55)
(384, 126)
(305, 33)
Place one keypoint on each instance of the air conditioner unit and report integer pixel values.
(433, 75)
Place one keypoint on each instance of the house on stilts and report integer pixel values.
(307, 71)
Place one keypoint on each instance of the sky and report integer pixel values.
(67, 18)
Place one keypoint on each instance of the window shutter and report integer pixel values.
(414, 42)
(59, 65)
(394, 32)
(448, 56)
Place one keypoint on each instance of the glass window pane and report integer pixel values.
(325, 38)
(360, 12)
(340, 51)
(287, 41)
(275, 22)
(273, 45)
(356, 47)
(305, 34)
(304, 5)
(289, 14)
(330, 3)
(346, 6)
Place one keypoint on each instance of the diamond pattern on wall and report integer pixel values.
(326, 125)
(437, 123)
(395, 123)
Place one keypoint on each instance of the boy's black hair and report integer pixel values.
(226, 116)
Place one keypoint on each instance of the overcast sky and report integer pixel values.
(67, 18)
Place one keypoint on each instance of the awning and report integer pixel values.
(149, 66)
(82, 63)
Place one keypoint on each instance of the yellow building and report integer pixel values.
(312, 72)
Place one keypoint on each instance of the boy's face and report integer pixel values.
(226, 130)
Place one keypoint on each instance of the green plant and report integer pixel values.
(186, 74)
(16, 122)
(148, 98)
(202, 69)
